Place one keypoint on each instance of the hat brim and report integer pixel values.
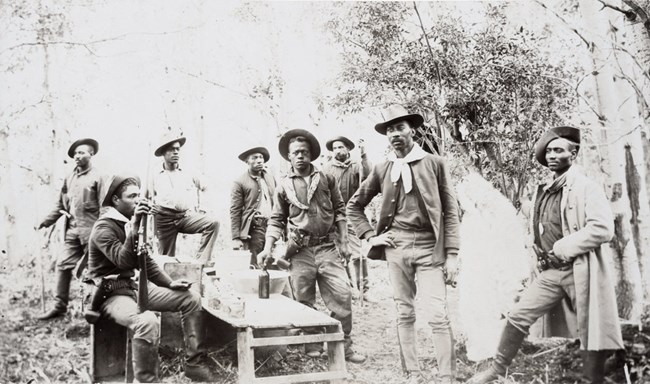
(88, 141)
(564, 132)
(114, 183)
(348, 143)
(283, 145)
(263, 151)
(414, 119)
(161, 149)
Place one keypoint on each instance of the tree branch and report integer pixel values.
(565, 22)
(426, 38)
(639, 12)
(628, 14)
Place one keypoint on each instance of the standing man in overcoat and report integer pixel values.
(79, 201)
(571, 219)
(417, 234)
(251, 203)
(309, 205)
(349, 175)
(177, 209)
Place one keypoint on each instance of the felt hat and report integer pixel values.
(348, 143)
(396, 113)
(569, 133)
(265, 153)
(283, 146)
(168, 139)
(114, 183)
(92, 142)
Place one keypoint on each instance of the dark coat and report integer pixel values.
(112, 251)
(432, 179)
(244, 200)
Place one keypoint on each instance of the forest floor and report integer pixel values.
(59, 350)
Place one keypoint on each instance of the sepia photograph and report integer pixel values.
(362, 192)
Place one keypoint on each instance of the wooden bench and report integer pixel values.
(281, 313)
(111, 343)
(110, 352)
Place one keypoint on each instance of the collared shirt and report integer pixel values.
(177, 189)
(265, 208)
(408, 214)
(80, 197)
(547, 220)
(323, 210)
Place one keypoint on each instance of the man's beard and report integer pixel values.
(342, 157)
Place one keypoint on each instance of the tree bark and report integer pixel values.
(611, 136)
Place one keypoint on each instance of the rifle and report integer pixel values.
(143, 245)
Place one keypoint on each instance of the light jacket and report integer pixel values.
(587, 223)
(80, 196)
(245, 199)
(432, 179)
(348, 178)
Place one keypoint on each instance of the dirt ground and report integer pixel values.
(58, 351)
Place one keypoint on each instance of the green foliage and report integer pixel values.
(485, 91)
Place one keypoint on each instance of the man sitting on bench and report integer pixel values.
(113, 258)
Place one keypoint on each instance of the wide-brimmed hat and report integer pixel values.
(114, 183)
(88, 141)
(265, 153)
(168, 139)
(283, 146)
(348, 143)
(396, 113)
(569, 133)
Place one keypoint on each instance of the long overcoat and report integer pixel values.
(587, 223)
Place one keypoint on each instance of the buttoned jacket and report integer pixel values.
(348, 178)
(432, 180)
(245, 198)
(79, 196)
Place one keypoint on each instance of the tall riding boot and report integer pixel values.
(145, 361)
(445, 356)
(511, 340)
(62, 295)
(196, 367)
(593, 366)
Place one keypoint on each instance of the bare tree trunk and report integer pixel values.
(611, 136)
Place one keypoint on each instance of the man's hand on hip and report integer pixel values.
(385, 239)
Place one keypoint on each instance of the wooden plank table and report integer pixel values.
(280, 312)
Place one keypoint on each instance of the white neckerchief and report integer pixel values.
(112, 213)
(401, 166)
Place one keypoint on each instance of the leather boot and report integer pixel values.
(511, 340)
(593, 366)
(445, 356)
(62, 295)
(145, 361)
(196, 357)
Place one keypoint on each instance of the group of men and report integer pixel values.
(320, 216)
